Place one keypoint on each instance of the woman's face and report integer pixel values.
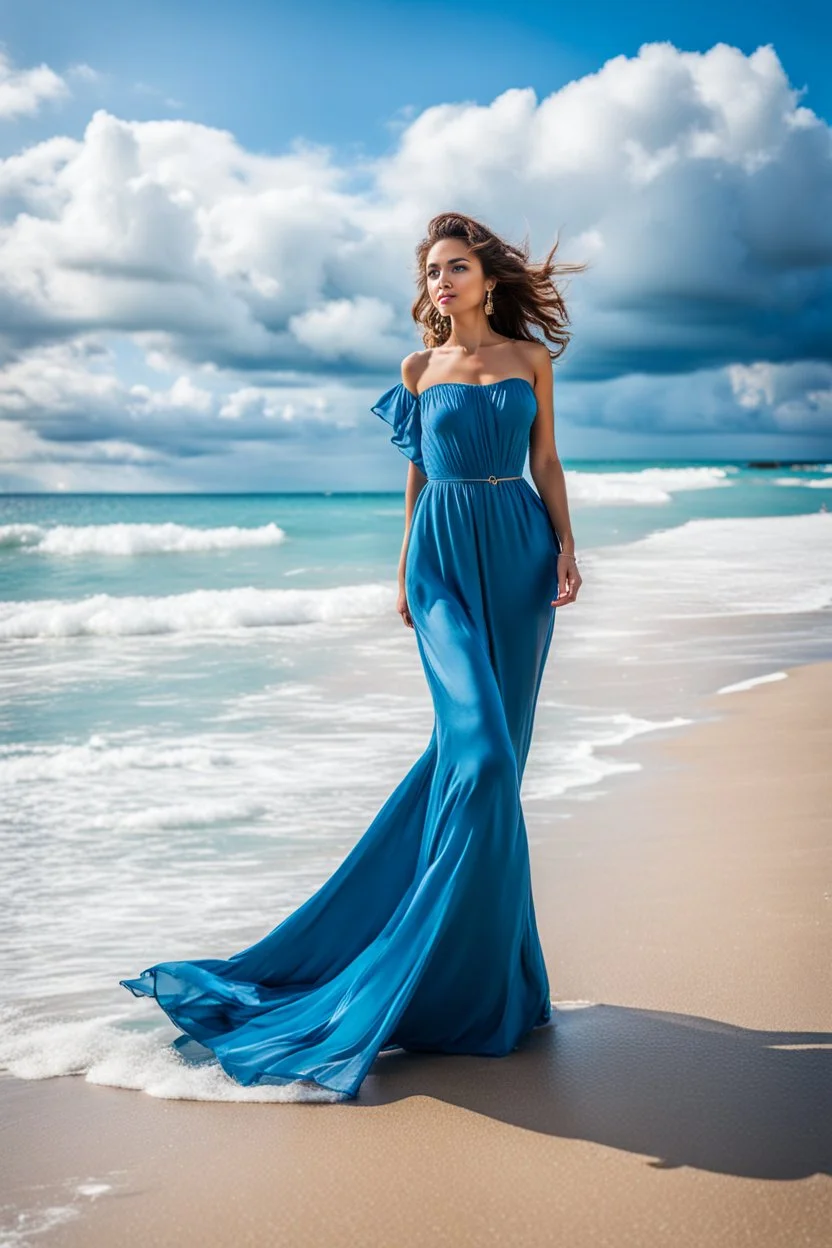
(455, 279)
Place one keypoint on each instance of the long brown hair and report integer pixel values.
(526, 294)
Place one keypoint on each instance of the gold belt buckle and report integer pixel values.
(493, 479)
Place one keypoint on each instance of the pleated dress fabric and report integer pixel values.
(424, 938)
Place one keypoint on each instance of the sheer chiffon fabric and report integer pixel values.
(424, 937)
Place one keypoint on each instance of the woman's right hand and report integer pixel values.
(402, 607)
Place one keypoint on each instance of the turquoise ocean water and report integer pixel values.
(207, 698)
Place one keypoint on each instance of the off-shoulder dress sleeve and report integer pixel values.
(399, 407)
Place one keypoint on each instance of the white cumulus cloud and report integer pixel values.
(697, 186)
(22, 91)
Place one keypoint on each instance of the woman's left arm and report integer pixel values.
(547, 473)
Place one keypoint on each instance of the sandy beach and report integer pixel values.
(682, 1097)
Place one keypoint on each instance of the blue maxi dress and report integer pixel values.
(424, 938)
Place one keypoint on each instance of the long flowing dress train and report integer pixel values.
(424, 937)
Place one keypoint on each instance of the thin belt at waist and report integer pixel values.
(492, 478)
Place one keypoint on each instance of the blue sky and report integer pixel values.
(340, 74)
(160, 329)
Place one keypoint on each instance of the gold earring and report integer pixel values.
(489, 305)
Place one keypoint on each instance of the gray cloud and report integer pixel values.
(274, 295)
(695, 184)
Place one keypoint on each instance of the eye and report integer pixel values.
(434, 272)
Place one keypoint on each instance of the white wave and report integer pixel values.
(811, 483)
(33, 1047)
(742, 685)
(763, 565)
(41, 1208)
(98, 757)
(133, 539)
(555, 769)
(200, 611)
(197, 813)
(38, 1221)
(645, 485)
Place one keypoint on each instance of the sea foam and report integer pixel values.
(763, 565)
(648, 486)
(133, 539)
(33, 1047)
(200, 611)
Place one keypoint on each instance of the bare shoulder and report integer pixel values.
(539, 361)
(413, 367)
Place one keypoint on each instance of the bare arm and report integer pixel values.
(548, 475)
(412, 490)
(416, 479)
(544, 462)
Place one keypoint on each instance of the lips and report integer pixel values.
(446, 298)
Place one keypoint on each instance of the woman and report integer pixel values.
(425, 938)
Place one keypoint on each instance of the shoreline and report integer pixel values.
(681, 1096)
(708, 796)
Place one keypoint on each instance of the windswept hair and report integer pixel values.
(526, 295)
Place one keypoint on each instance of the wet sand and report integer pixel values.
(683, 1095)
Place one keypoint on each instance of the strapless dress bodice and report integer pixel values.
(462, 429)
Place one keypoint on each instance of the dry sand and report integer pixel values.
(686, 1101)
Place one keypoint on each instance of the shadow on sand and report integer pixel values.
(687, 1091)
